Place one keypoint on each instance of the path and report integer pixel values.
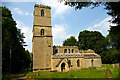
(18, 76)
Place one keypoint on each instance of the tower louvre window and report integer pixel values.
(42, 12)
(42, 32)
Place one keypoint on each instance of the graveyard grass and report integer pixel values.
(79, 73)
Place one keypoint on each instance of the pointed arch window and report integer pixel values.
(69, 50)
(92, 63)
(42, 32)
(69, 63)
(42, 12)
(72, 50)
(78, 63)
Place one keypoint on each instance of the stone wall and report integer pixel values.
(42, 44)
(69, 49)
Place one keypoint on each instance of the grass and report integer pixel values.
(80, 73)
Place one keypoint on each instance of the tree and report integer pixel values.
(70, 41)
(113, 10)
(110, 56)
(92, 40)
(12, 39)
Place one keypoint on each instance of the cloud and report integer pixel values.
(59, 32)
(20, 12)
(59, 8)
(17, 0)
(102, 26)
(26, 13)
(27, 33)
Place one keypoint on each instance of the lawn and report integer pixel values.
(80, 73)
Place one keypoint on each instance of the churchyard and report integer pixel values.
(93, 72)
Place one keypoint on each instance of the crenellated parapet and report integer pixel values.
(66, 49)
(42, 6)
(58, 46)
(86, 51)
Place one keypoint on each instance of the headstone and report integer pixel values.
(113, 65)
(108, 73)
(118, 65)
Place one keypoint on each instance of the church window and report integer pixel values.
(42, 12)
(69, 63)
(65, 51)
(42, 32)
(56, 51)
(78, 63)
(69, 50)
(92, 63)
(72, 50)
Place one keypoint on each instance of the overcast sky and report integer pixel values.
(66, 21)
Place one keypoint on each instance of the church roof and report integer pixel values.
(62, 55)
(68, 55)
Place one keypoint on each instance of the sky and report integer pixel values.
(65, 20)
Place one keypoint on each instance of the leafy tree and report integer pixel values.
(92, 40)
(114, 32)
(113, 10)
(12, 39)
(110, 56)
(114, 36)
(70, 41)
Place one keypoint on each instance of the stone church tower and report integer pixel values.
(42, 43)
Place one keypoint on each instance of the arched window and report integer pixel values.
(69, 63)
(42, 12)
(72, 50)
(62, 67)
(78, 63)
(69, 50)
(92, 63)
(65, 51)
(56, 51)
(42, 32)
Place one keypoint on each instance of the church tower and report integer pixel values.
(42, 43)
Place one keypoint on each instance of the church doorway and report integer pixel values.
(63, 67)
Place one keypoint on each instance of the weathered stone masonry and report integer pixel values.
(66, 57)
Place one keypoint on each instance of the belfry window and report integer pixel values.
(42, 12)
(42, 32)
(78, 63)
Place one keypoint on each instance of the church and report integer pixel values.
(66, 57)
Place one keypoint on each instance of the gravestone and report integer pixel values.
(108, 73)
(118, 65)
(113, 65)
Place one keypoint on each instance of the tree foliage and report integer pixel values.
(12, 39)
(70, 41)
(112, 40)
(92, 40)
(112, 10)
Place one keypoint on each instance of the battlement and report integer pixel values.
(42, 6)
(86, 51)
(58, 46)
